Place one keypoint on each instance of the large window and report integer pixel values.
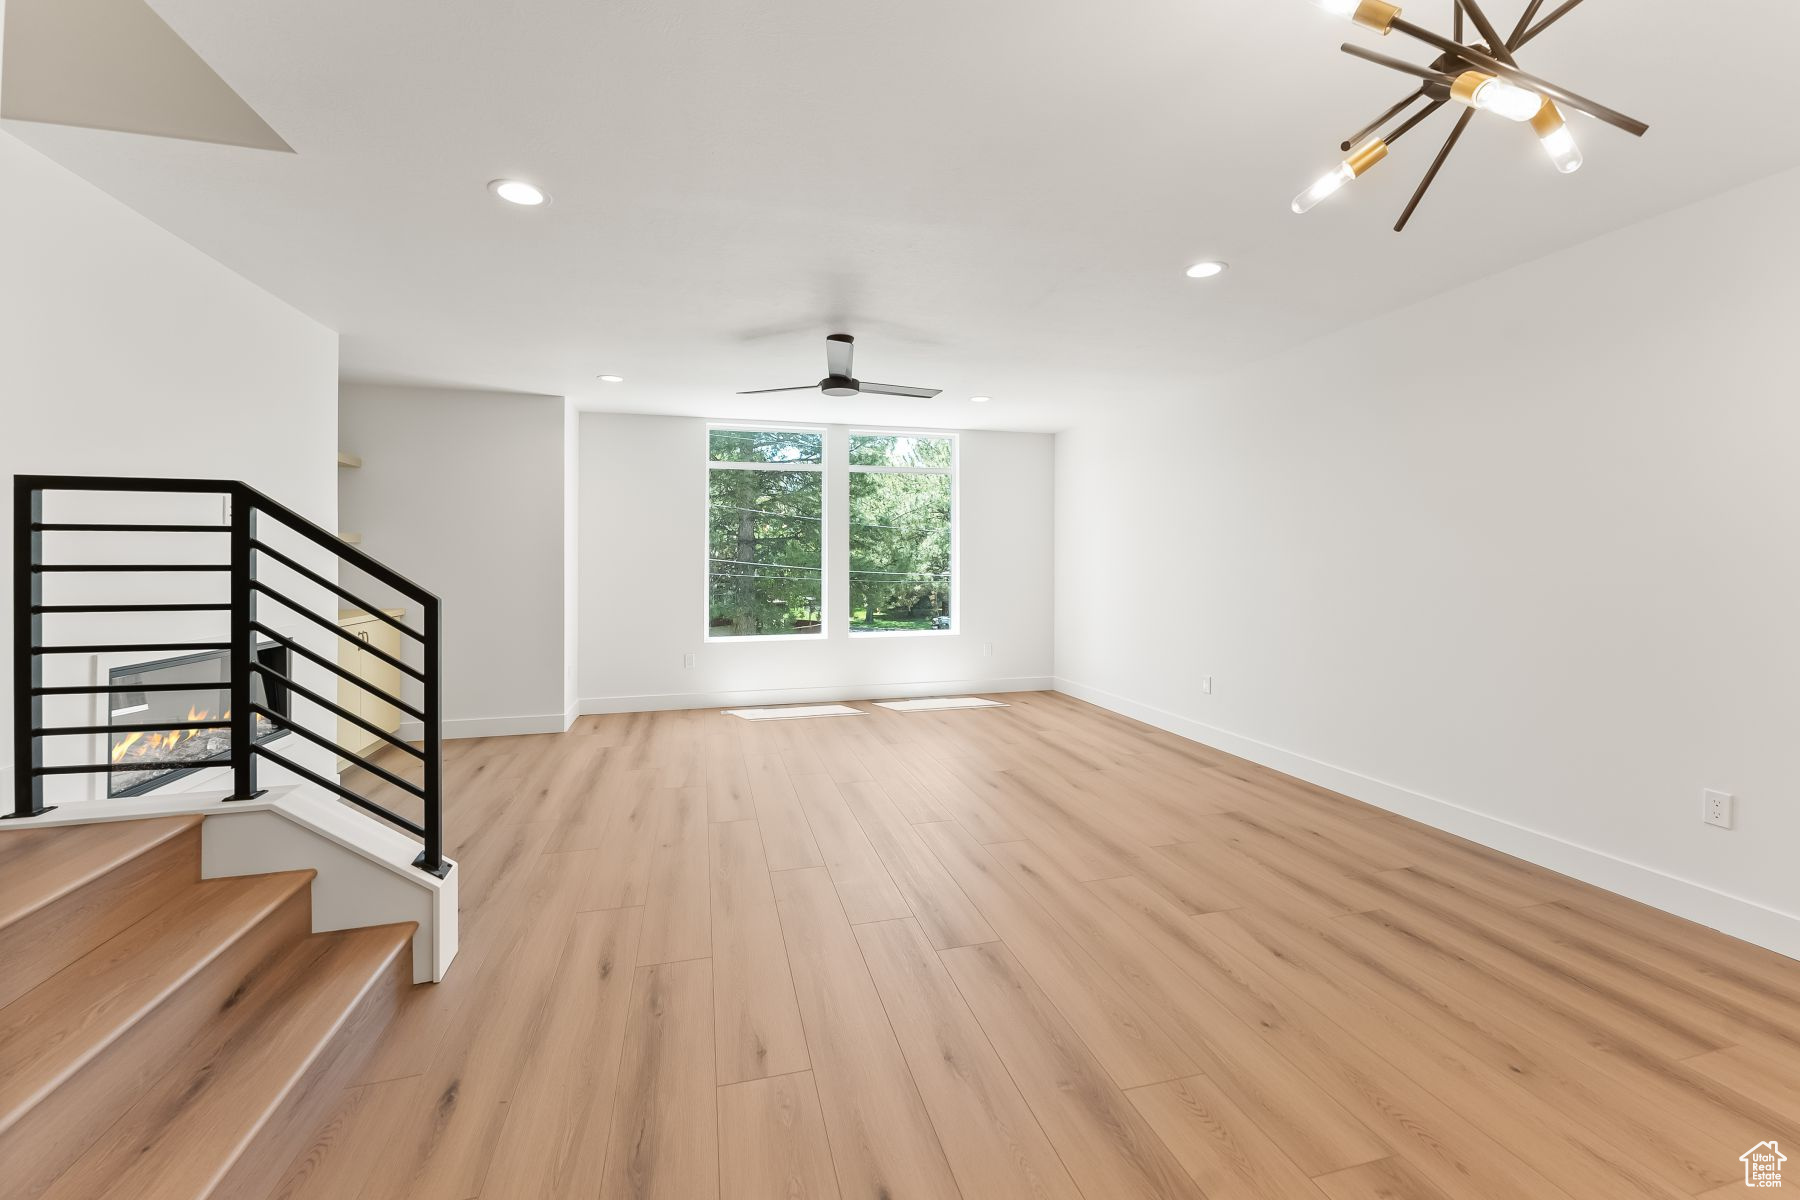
(902, 539)
(765, 532)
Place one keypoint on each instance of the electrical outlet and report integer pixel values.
(1206, 684)
(687, 660)
(1716, 808)
(987, 649)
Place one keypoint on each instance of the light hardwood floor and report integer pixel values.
(1036, 951)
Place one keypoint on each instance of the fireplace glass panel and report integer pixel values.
(176, 751)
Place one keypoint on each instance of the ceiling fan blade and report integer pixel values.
(894, 389)
(810, 387)
(839, 347)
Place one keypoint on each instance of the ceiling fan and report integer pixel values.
(838, 381)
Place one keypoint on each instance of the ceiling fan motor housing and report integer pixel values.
(839, 385)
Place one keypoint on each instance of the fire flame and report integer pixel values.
(147, 744)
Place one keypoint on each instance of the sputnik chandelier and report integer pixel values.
(1481, 76)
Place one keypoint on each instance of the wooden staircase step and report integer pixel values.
(66, 889)
(40, 866)
(270, 1059)
(113, 991)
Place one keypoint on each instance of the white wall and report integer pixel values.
(1522, 561)
(643, 551)
(463, 492)
(125, 351)
(571, 557)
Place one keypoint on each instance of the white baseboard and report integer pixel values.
(475, 727)
(1741, 918)
(835, 693)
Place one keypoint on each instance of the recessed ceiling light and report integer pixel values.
(517, 191)
(1205, 270)
(612, 379)
(979, 399)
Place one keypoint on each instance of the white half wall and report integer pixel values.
(124, 351)
(1522, 561)
(463, 492)
(643, 563)
(365, 872)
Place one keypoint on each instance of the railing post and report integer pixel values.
(432, 858)
(243, 645)
(28, 633)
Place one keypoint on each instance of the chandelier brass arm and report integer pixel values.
(1485, 27)
(1383, 119)
(1437, 164)
(1525, 79)
(1396, 64)
(1544, 24)
(1525, 19)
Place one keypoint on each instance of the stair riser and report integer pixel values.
(60, 1127)
(37, 947)
(292, 1128)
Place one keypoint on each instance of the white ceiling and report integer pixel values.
(996, 198)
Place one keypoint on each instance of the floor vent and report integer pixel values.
(936, 703)
(794, 712)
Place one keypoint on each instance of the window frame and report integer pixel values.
(954, 471)
(825, 524)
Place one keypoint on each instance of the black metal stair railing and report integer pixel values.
(246, 532)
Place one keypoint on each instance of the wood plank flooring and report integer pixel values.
(1041, 952)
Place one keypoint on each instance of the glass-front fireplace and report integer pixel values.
(181, 751)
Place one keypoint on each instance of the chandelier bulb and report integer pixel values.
(1553, 133)
(1370, 14)
(1480, 90)
(1360, 161)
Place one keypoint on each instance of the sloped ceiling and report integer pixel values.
(116, 65)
